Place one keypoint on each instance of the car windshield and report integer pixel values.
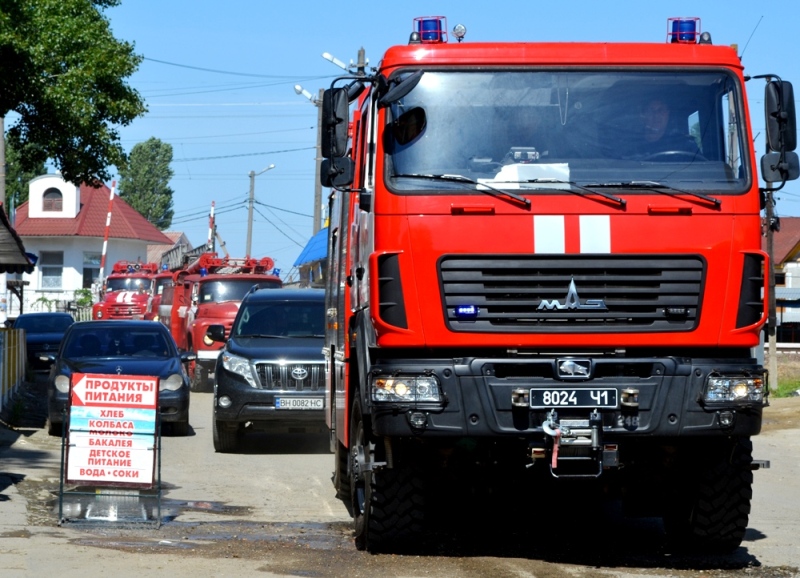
(217, 291)
(92, 342)
(281, 319)
(545, 129)
(127, 284)
(44, 324)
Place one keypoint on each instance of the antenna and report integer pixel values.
(751, 36)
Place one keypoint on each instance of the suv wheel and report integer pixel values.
(226, 436)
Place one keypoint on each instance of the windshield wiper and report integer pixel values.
(261, 336)
(660, 188)
(581, 188)
(489, 190)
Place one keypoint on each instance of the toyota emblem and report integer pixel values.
(299, 373)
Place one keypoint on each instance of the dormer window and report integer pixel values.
(52, 201)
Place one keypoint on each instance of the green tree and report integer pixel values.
(144, 182)
(17, 180)
(62, 71)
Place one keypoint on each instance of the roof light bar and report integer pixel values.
(429, 30)
(683, 30)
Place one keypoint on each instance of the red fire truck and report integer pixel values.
(125, 291)
(206, 292)
(545, 273)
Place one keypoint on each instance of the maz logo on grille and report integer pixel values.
(572, 301)
(299, 373)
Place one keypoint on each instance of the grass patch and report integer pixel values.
(788, 375)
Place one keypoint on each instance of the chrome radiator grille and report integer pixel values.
(299, 376)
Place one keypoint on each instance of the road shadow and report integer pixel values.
(257, 442)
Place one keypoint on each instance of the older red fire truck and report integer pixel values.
(125, 291)
(545, 265)
(208, 291)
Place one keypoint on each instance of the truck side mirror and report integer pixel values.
(775, 169)
(335, 120)
(780, 116)
(336, 172)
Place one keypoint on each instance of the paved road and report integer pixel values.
(270, 510)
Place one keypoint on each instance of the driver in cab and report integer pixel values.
(662, 137)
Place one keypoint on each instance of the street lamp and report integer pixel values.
(253, 176)
(316, 101)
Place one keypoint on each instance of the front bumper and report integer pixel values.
(479, 398)
(257, 406)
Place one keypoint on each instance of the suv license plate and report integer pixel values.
(298, 403)
(605, 397)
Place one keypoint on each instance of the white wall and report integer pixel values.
(72, 273)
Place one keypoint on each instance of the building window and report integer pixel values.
(91, 268)
(51, 264)
(52, 201)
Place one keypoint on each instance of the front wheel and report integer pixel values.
(710, 506)
(387, 503)
(226, 436)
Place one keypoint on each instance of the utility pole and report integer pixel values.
(317, 183)
(253, 176)
(772, 366)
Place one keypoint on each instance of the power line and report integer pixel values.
(278, 229)
(220, 71)
(242, 155)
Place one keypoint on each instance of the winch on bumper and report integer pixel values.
(575, 412)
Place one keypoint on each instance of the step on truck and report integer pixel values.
(126, 291)
(545, 272)
(208, 291)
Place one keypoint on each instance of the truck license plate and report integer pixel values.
(298, 403)
(605, 397)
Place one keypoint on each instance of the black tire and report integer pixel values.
(387, 504)
(179, 428)
(226, 436)
(709, 511)
(55, 428)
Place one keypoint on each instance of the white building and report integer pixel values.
(65, 226)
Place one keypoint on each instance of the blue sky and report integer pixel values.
(218, 80)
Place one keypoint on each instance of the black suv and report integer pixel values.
(270, 374)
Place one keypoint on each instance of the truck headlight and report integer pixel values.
(742, 389)
(406, 389)
(207, 341)
(239, 366)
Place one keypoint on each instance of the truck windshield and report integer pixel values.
(127, 284)
(546, 129)
(217, 291)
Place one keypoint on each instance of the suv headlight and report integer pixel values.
(406, 389)
(239, 366)
(733, 389)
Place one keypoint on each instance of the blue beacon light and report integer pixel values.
(683, 30)
(467, 312)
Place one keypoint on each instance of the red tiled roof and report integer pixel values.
(126, 223)
(786, 242)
